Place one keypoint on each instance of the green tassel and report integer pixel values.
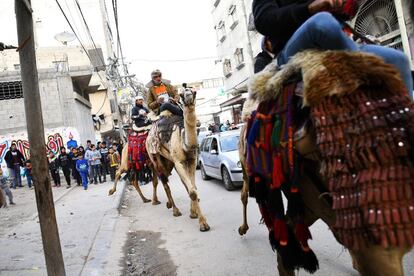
(276, 133)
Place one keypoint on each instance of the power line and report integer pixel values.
(89, 33)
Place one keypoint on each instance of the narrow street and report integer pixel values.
(160, 244)
(86, 221)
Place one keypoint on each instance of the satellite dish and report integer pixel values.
(65, 37)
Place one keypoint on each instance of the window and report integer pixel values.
(233, 17)
(227, 68)
(206, 145)
(214, 145)
(221, 31)
(11, 90)
(239, 58)
(17, 67)
(229, 143)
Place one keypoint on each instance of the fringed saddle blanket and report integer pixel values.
(137, 152)
(364, 122)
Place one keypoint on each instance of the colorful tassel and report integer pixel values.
(277, 174)
(265, 216)
(280, 229)
(303, 235)
(275, 138)
(254, 132)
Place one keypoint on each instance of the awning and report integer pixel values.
(239, 99)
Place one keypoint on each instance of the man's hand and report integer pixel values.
(160, 100)
(326, 5)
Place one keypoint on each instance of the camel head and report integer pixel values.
(188, 97)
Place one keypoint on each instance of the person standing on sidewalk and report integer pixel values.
(95, 161)
(54, 168)
(104, 160)
(82, 167)
(65, 163)
(14, 159)
(28, 172)
(74, 156)
(113, 160)
(4, 188)
(88, 157)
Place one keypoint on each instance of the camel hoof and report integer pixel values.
(156, 202)
(169, 205)
(243, 230)
(193, 216)
(111, 192)
(204, 227)
(146, 200)
(177, 213)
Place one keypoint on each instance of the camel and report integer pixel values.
(180, 152)
(321, 74)
(2, 198)
(124, 168)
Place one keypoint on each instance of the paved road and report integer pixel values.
(160, 244)
(86, 221)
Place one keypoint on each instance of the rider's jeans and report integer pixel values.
(323, 31)
(172, 108)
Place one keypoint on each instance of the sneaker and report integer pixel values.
(68, 187)
(12, 203)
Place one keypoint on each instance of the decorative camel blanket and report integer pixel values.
(364, 122)
(137, 152)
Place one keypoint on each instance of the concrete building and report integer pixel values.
(49, 22)
(65, 83)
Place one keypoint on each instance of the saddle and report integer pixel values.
(167, 124)
(361, 128)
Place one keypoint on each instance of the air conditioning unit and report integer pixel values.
(379, 18)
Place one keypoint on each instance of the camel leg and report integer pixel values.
(134, 183)
(170, 203)
(376, 260)
(192, 166)
(244, 199)
(195, 206)
(118, 174)
(155, 200)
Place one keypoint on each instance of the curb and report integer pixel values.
(120, 196)
(95, 266)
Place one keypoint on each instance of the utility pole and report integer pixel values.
(35, 131)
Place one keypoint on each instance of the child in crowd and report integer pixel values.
(4, 188)
(28, 173)
(54, 168)
(74, 157)
(83, 168)
(113, 160)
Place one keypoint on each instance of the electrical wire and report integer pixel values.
(89, 33)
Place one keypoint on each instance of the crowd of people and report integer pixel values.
(213, 127)
(85, 165)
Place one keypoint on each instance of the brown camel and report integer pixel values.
(124, 168)
(180, 152)
(2, 198)
(321, 78)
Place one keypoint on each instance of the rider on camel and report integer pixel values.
(162, 95)
(296, 25)
(139, 113)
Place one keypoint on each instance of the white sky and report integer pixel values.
(168, 30)
(150, 30)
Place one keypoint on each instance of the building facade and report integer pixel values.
(65, 83)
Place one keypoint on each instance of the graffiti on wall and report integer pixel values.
(55, 140)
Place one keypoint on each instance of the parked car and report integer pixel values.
(219, 158)
(201, 135)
